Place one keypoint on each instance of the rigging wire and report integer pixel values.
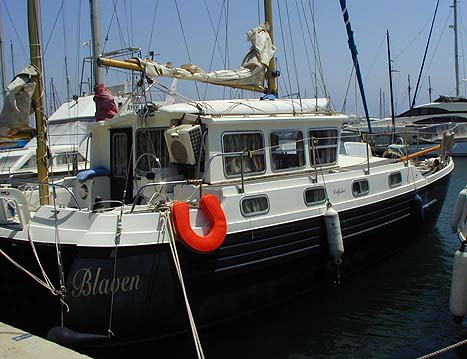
(306, 52)
(375, 58)
(216, 42)
(293, 52)
(53, 28)
(316, 42)
(153, 26)
(424, 56)
(78, 85)
(347, 89)
(67, 76)
(289, 90)
(16, 32)
(438, 43)
(186, 44)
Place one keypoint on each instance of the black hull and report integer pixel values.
(251, 270)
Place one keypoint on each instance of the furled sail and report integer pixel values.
(14, 117)
(249, 76)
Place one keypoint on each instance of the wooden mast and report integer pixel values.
(271, 74)
(38, 100)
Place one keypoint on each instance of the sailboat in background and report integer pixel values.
(197, 212)
(423, 126)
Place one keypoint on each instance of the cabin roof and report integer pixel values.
(83, 108)
(250, 107)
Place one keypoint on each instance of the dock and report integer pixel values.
(18, 344)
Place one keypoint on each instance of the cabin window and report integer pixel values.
(323, 146)
(287, 150)
(424, 111)
(251, 144)
(395, 179)
(31, 163)
(67, 158)
(442, 119)
(255, 205)
(120, 155)
(8, 162)
(360, 187)
(151, 141)
(315, 196)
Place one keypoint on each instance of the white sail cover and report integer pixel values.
(17, 107)
(249, 76)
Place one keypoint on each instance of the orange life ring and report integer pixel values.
(216, 235)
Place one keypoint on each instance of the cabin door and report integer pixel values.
(121, 171)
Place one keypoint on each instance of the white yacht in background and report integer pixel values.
(68, 145)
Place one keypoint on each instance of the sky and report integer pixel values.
(212, 35)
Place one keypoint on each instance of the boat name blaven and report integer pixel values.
(86, 284)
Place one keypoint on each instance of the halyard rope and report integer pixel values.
(173, 248)
(444, 350)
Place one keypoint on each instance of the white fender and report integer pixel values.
(460, 207)
(458, 296)
(334, 234)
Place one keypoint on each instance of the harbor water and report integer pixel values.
(398, 308)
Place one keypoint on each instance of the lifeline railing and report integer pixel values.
(17, 181)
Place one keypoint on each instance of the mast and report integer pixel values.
(272, 73)
(12, 59)
(430, 89)
(353, 50)
(456, 52)
(390, 88)
(2, 61)
(96, 36)
(38, 99)
(409, 88)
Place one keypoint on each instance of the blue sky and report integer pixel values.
(64, 31)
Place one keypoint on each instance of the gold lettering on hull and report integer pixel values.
(86, 283)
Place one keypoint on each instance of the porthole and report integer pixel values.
(254, 205)
(360, 187)
(395, 179)
(314, 196)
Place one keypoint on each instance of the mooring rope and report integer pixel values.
(173, 249)
(444, 350)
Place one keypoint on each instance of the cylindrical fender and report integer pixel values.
(458, 209)
(216, 235)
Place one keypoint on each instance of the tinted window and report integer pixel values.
(323, 146)
(287, 149)
(252, 145)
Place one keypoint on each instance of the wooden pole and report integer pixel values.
(419, 153)
(271, 74)
(38, 100)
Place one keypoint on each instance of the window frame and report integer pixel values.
(360, 194)
(321, 147)
(397, 184)
(302, 150)
(163, 158)
(252, 214)
(310, 204)
(226, 154)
